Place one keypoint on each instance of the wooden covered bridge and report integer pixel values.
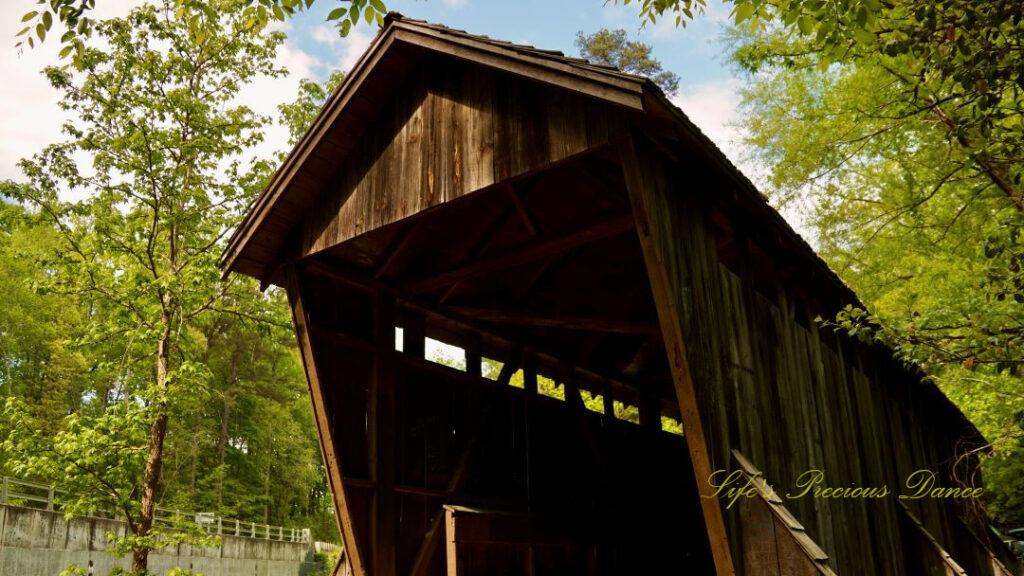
(566, 221)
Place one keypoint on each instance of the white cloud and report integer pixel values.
(713, 107)
(353, 47)
(33, 118)
(346, 51)
(325, 34)
(455, 3)
(265, 93)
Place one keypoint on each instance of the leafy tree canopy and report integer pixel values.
(614, 48)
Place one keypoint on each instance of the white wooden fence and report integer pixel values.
(28, 494)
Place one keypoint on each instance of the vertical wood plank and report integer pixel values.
(609, 399)
(451, 548)
(640, 184)
(529, 372)
(760, 556)
(414, 334)
(650, 416)
(353, 550)
(381, 421)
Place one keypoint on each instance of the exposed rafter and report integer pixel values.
(527, 318)
(522, 255)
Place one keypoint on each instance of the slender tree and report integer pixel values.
(153, 101)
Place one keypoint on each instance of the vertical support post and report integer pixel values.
(414, 333)
(267, 536)
(649, 412)
(220, 526)
(647, 181)
(381, 424)
(4, 490)
(451, 548)
(474, 361)
(237, 532)
(572, 390)
(529, 372)
(49, 499)
(353, 550)
(609, 399)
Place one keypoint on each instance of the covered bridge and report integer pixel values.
(566, 222)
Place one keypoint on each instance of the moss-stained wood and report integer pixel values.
(455, 128)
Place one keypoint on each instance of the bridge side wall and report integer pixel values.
(41, 543)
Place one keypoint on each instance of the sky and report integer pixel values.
(708, 88)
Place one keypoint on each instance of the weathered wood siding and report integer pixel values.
(404, 435)
(455, 128)
(768, 385)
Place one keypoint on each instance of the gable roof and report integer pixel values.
(262, 242)
(390, 58)
(255, 246)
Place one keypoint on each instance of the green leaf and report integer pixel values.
(368, 15)
(862, 16)
(41, 31)
(47, 19)
(346, 26)
(337, 13)
(65, 51)
(29, 16)
(863, 36)
(743, 11)
(379, 6)
(805, 24)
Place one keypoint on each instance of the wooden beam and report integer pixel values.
(433, 536)
(609, 399)
(521, 255)
(472, 525)
(509, 367)
(524, 213)
(482, 244)
(474, 361)
(389, 256)
(796, 553)
(526, 318)
(335, 479)
(644, 180)
(650, 416)
(414, 333)
(381, 436)
(572, 390)
(440, 316)
(529, 372)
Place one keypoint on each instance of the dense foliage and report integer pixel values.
(915, 205)
(162, 383)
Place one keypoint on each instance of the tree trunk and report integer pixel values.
(266, 496)
(222, 442)
(154, 459)
(195, 452)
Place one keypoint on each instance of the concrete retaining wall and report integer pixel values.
(40, 543)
